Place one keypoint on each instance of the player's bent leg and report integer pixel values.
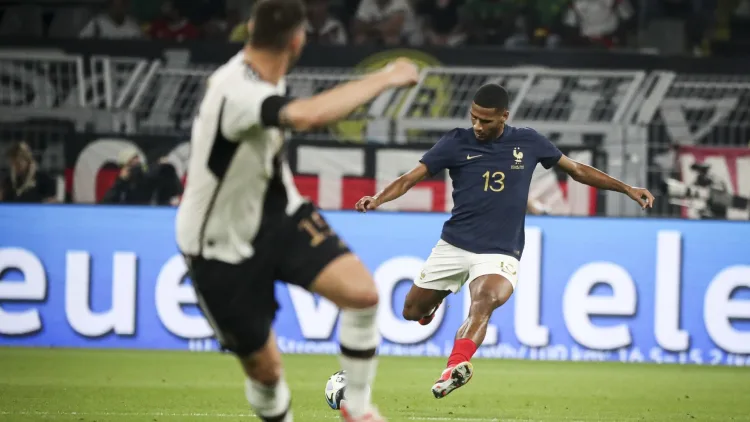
(488, 292)
(264, 365)
(347, 283)
(266, 389)
(241, 314)
(421, 303)
(443, 272)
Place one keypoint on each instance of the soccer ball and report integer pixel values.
(335, 389)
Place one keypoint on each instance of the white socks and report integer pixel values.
(360, 373)
(359, 339)
(271, 404)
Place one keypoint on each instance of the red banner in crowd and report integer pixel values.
(334, 176)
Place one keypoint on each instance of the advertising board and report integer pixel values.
(631, 290)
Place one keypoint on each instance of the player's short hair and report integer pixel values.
(275, 21)
(492, 96)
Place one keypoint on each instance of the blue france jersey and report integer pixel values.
(490, 186)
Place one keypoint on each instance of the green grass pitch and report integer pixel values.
(123, 386)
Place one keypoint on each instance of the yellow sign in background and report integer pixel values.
(434, 94)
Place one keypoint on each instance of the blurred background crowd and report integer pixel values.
(691, 26)
(655, 91)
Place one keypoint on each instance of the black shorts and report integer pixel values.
(239, 300)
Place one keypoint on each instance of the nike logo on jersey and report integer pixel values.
(469, 157)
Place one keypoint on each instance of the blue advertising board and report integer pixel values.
(632, 290)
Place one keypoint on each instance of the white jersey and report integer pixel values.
(236, 173)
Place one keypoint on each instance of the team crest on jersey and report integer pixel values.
(518, 155)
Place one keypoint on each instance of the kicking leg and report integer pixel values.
(421, 304)
(488, 292)
(266, 389)
(348, 284)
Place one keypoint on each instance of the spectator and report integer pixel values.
(115, 23)
(213, 18)
(521, 35)
(388, 22)
(696, 15)
(495, 21)
(599, 22)
(441, 22)
(321, 27)
(548, 13)
(138, 186)
(199, 12)
(218, 26)
(547, 22)
(26, 183)
(172, 25)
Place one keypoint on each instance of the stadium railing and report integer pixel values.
(635, 118)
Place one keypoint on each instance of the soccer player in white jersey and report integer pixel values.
(242, 223)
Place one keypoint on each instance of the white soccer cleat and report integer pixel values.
(452, 378)
(372, 415)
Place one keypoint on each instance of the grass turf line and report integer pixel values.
(124, 386)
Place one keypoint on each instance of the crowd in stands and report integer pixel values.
(135, 182)
(510, 23)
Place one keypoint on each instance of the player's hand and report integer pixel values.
(402, 72)
(642, 196)
(367, 203)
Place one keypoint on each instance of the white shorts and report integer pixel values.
(449, 267)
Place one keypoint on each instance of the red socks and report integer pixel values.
(463, 350)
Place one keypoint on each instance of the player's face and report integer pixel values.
(487, 122)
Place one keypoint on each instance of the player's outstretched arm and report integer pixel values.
(394, 189)
(590, 176)
(334, 104)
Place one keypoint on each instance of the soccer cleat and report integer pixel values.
(428, 319)
(371, 416)
(452, 378)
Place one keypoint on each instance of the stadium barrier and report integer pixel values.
(333, 176)
(630, 290)
(632, 109)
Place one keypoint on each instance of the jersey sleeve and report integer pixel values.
(547, 153)
(242, 109)
(442, 154)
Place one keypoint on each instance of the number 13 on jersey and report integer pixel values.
(494, 181)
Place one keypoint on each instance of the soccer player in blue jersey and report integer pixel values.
(490, 165)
